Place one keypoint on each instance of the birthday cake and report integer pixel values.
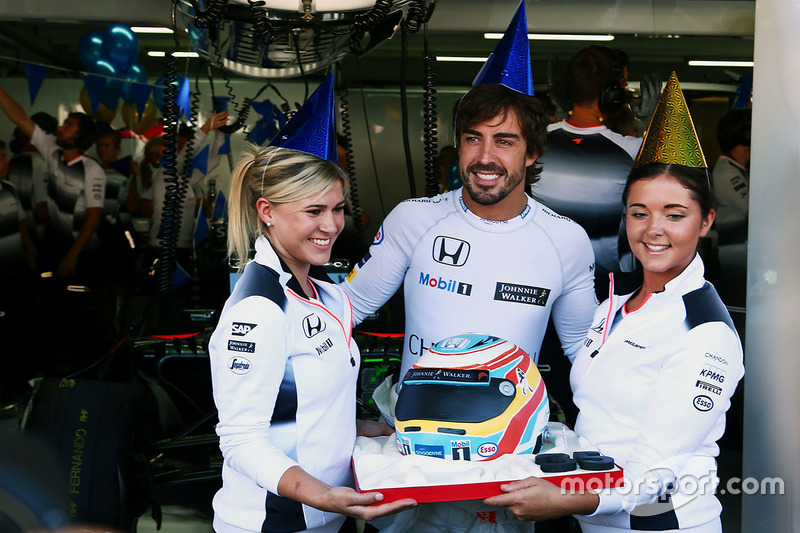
(472, 413)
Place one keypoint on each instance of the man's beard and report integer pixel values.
(66, 145)
(480, 194)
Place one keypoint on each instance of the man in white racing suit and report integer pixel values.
(483, 258)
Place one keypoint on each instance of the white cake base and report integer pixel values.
(379, 466)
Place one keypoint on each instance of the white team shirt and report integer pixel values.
(284, 371)
(653, 388)
(72, 187)
(462, 273)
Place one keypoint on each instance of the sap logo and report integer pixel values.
(450, 285)
(239, 365)
(325, 346)
(487, 449)
(703, 403)
(378, 236)
(240, 329)
(313, 325)
(712, 372)
(364, 260)
(450, 251)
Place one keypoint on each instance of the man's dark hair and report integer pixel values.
(87, 130)
(485, 102)
(47, 122)
(112, 134)
(591, 69)
(733, 129)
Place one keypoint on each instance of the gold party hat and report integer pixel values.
(670, 137)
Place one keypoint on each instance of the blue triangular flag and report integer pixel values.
(744, 93)
(201, 228)
(220, 207)
(313, 128)
(179, 277)
(225, 149)
(200, 161)
(510, 63)
(141, 94)
(123, 166)
(35, 75)
(95, 85)
(183, 98)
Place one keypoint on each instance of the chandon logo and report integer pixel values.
(450, 251)
(312, 325)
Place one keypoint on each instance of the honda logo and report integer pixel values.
(450, 251)
(312, 324)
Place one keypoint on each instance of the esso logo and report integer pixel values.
(703, 403)
(487, 449)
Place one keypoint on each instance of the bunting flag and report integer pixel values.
(123, 166)
(95, 86)
(201, 227)
(200, 161)
(220, 210)
(183, 98)
(141, 94)
(35, 74)
(179, 277)
(225, 149)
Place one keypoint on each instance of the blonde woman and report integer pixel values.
(283, 361)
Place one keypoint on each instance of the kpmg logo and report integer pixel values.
(523, 294)
(312, 325)
(449, 285)
(450, 251)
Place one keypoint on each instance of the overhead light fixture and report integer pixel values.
(556, 37)
(696, 63)
(161, 53)
(150, 29)
(462, 59)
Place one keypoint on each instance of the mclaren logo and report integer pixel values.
(312, 325)
(450, 251)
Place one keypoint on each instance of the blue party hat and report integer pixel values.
(510, 63)
(313, 128)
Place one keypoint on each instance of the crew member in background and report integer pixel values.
(76, 189)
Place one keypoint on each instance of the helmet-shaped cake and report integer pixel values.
(472, 397)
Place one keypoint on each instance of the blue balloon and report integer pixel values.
(90, 47)
(106, 70)
(136, 74)
(121, 47)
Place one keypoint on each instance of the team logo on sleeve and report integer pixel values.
(239, 365)
(450, 251)
(378, 236)
(312, 325)
(241, 346)
(240, 329)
